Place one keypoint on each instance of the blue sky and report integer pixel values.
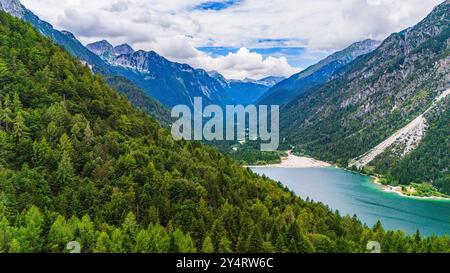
(238, 38)
(217, 5)
(293, 54)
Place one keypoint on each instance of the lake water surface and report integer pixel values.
(352, 193)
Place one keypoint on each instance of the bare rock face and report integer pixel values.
(123, 49)
(139, 60)
(107, 51)
(13, 7)
(101, 48)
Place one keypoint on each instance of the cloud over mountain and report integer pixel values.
(319, 26)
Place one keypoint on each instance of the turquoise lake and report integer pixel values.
(352, 193)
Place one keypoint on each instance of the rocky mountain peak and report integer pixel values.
(14, 7)
(101, 47)
(364, 46)
(123, 49)
(354, 50)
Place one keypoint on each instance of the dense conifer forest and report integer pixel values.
(79, 162)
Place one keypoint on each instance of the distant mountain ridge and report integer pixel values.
(169, 82)
(123, 49)
(102, 48)
(247, 91)
(267, 81)
(174, 83)
(318, 74)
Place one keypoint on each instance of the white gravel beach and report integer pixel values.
(293, 161)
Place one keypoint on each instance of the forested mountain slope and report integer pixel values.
(78, 162)
(315, 75)
(381, 92)
(71, 44)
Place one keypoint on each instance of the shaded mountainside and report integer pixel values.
(246, 91)
(140, 100)
(377, 95)
(318, 74)
(240, 92)
(250, 91)
(78, 162)
(71, 44)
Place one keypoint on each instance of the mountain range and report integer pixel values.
(146, 78)
(169, 82)
(247, 91)
(173, 83)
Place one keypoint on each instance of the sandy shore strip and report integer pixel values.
(398, 190)
(293, 161)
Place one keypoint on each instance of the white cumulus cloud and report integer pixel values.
(245, 64)
(321, 26)
(239, 65)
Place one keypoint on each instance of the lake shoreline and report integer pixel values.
(354, 193)
(374, 179)
(292, 161)
(398, 190)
